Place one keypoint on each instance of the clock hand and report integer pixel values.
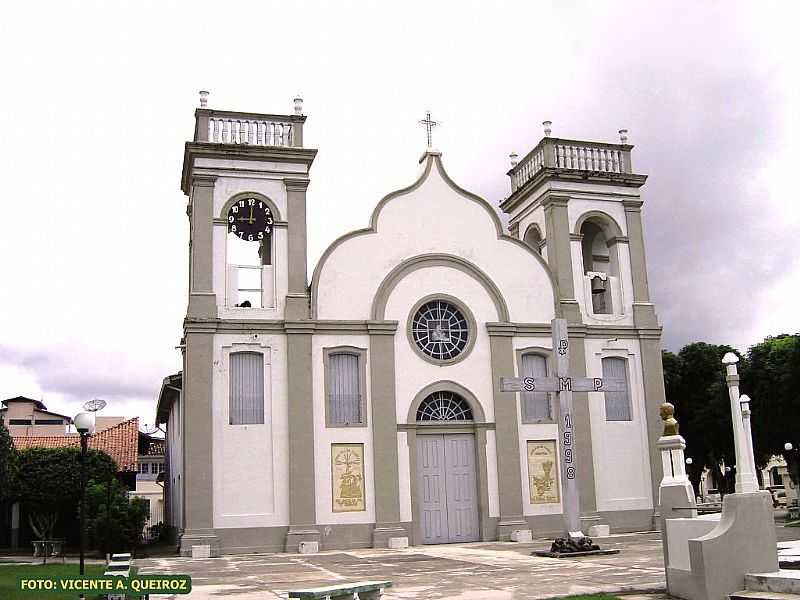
(251, 216)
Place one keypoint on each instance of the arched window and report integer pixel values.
(533, 238)
(344, 393)
(618, 404)
(246, 401)
(249, 248)
(535, 405)
(444, 406)
(597, 265)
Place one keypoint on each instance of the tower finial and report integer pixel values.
(513, 157)
(547, 128)
(203, 98)
(623, 136)
(429, 125)
(298, 104)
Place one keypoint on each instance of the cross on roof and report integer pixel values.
(429, 125)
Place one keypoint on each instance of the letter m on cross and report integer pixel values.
(565, 384)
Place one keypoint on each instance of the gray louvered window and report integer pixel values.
(535, 405)
(247, 388)
(344, 390)
(618, 404)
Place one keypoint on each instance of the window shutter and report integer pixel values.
(247, 388)
(618, 404)
(344, 389)
(535, 405)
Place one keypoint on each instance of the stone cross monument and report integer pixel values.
(564, 385)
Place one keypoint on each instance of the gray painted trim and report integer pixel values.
(507, 439)
(348, 327)
(384, 433)
(197, 424)
(433, 158)
(555, 175)
(559, 253)
(547, 353)
(361, 353)
(302, 471)
(654, 397)
(223, 214)
(633, 219)
(606, 222)
(283, 154)
(297, 248)
(446, 385)
(202, 299)
(422, 261)
(472, 334)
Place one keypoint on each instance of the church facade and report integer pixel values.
(362, 408)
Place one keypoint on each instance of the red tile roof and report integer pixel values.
(120, 442)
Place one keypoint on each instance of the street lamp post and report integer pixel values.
(794, 466)
(84, 423)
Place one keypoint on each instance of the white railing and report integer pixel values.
(531, 165)
(258, 132)
(588, 158)
(556, 153)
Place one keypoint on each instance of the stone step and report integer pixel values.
(785, 581)
(758, 595)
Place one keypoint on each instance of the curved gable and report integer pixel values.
(433, 216)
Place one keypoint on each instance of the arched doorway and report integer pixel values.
(446, 470)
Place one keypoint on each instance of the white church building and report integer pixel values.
(364, 406)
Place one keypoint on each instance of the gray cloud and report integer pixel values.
(80, 376)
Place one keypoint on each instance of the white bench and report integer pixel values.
(118, 566)
(363, 590)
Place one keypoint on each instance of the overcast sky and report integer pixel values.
(98, 99)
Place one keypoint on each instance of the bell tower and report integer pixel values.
(578, 204)
(246, 175)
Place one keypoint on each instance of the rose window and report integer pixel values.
(440, 330)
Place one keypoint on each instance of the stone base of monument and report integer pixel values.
(573, 548)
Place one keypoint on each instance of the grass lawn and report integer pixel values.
(10, 573)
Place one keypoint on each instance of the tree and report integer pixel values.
(49, 485)
(772, 378)
(9, 467)
(694, 381)
(115, 519)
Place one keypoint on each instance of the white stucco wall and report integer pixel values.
(620, 448)
(433, 218)
(325, 436)
(249, 460)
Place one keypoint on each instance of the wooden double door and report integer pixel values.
(447, 486)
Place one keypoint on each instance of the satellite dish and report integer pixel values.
(94, 405)
(150, 429)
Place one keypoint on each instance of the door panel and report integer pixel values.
(447, 486)
(431, 485)
(462, 501)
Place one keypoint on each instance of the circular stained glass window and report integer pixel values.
(444, 406)
(440, 330)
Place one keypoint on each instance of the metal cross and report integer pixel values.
(429, 125)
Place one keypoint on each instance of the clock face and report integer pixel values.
(250, 219)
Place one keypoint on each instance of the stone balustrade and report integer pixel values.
(253, 129)
(561, 154)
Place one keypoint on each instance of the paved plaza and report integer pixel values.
(476, 571)
(460, 571)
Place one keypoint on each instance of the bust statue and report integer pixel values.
(668, 416)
